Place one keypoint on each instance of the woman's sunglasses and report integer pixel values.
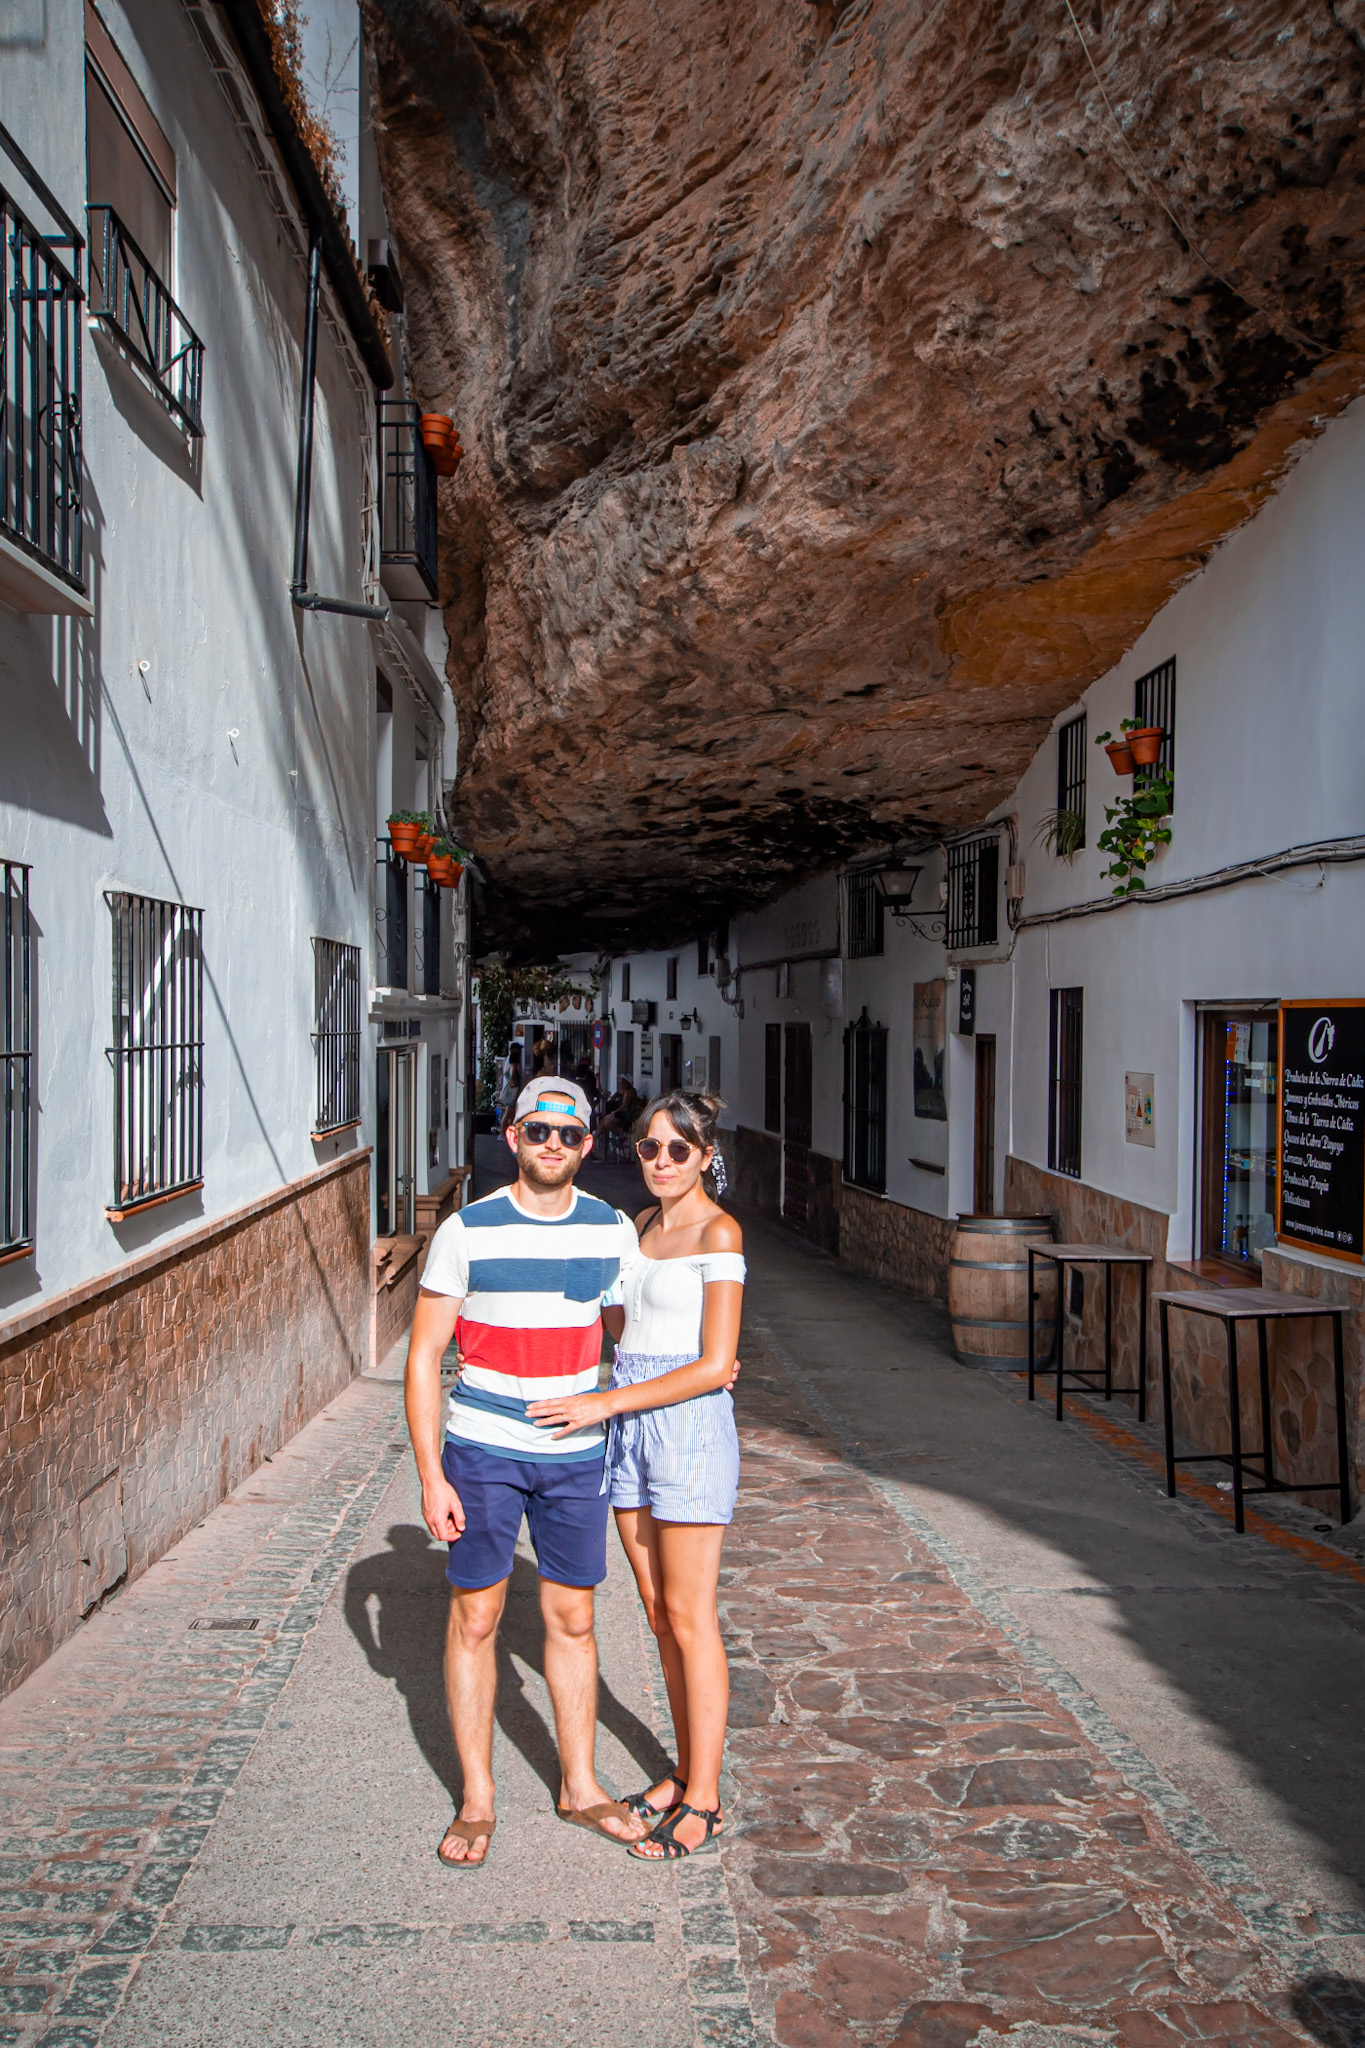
(571, 1135)
(650, 1148)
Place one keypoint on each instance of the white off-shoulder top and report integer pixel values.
(663, 1301)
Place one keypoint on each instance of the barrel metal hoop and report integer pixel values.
(993, 1265)
(999, 1323)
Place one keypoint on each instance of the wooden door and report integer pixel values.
(796, 1124)
(983, 1177)
(670, 1061)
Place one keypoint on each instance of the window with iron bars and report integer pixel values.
(16, 1063)
(973, 893)
(40, 379)
(866, 916)
(865, 1104)
(1065, 1023)
(1154, 704)
(336, 1035)
(391, 917)
(158, 1050)
(1071, 773)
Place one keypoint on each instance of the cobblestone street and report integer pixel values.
(1009, 1759)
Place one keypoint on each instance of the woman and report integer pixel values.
(674, 1456)
(511, 1088)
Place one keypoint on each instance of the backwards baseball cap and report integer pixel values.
(549, 1094)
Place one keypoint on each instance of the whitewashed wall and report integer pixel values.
(697, 993)
(236, 773)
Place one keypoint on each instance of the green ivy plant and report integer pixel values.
(1136, 829)
(502, 988)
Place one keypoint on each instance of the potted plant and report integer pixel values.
(438, 432)
(1135, 831)
(1146, 742)
(446, 863)
(1119, 752)
(427, 834)
(1063, 833)
(404, 831)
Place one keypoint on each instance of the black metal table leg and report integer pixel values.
(1267, 1442)
(1166, 1397)
(1343, 1451)
(1061, 1333)
(1108, 1332)
(1235, 1416)
(1032, 1340)
(1142, 1342)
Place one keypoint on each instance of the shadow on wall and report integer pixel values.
(50, 707)
(405, 1639)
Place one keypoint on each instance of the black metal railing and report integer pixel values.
(336, 1035)
(40, 380)
(16, 1061)
(973, 892)
(866, 916)
(1154, 704)
(1072, 764)
(128, 296)
(407, 503)
(391, 916)
(431, 937)
(865, 1104)
(1066, 1024)
(158, 1050)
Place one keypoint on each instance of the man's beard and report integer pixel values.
(534, 1167)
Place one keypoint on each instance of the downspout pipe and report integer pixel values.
(307, 600)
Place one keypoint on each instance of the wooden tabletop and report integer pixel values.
(1250, 1302)
(1097, 1254)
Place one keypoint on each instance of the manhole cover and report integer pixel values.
(221, 1621)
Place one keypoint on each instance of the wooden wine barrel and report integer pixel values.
(988, 1291)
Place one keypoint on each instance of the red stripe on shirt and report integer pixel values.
(530, 1354)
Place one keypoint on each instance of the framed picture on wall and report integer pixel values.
(929, 1039)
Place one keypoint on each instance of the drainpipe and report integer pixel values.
(305, 599)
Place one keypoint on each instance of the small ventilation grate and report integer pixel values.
(227, 1621)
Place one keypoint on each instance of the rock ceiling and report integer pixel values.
(845, 388)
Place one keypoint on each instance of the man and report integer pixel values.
(521, 1274)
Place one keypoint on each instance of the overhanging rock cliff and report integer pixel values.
(845, 388)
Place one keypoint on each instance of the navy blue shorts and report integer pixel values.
(561, 1498)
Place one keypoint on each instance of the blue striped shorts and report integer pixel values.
(682, 1463)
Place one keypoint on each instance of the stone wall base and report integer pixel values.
(895, 1242)
(1303, 1418)
(757, 1171)
(132, 1405)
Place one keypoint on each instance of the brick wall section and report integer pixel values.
(895, 1242)
(172, 1377)
(1303, 1419)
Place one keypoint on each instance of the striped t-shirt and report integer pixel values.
(530, 1322)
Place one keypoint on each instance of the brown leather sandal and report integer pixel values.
(466, 1831)
(592, 1817)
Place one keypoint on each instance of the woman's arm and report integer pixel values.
(721, 1305)
(614, 1321)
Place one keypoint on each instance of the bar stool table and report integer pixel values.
(1258, 1305)
(1084, 1378)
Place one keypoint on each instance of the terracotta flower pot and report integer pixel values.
(447, 464)
(451, 878)
(403, 839)
(1120, 757)
(441, 871)
(424, 843)
(1145, 744)
(438, 431)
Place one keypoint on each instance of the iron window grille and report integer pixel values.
(16, 1064)
(407, 504)
(336, 1035)
(40, 381)
(1065, 1024)
(431, 937)
(671, 980)
(973, 893)
(865, 1104)
(866, 916)
(129, 298)
(1154, 704)
(158, 1051)
(391, 916)
(1071, 772)
(625, 981)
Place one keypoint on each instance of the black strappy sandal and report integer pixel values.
(666, 1833)
(638, 1802)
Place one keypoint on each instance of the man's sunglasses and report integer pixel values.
(571, 1135)
(650, 1148)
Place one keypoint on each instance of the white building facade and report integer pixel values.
(201, 967)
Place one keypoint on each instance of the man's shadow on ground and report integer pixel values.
(405, 1641)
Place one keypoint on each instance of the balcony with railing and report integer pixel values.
(41, 552)
(129, 299)
(407, 505)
